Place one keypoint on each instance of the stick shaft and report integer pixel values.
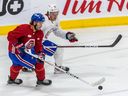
(90, 46)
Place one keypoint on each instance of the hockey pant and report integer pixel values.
(56, 52)
(25, 60)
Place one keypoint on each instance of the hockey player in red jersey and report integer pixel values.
(25, 37)
(52, 25)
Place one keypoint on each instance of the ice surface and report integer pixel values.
(88, 63)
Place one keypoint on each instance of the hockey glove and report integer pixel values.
(16, 48)
(41, 57)
(71, 37)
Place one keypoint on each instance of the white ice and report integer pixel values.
(88, 63)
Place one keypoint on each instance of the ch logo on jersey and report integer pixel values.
(30, 43)
(12, 6)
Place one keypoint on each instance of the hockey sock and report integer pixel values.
(14, 71)
(40, 71)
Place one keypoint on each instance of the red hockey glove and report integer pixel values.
(71, 37)
(41, 56)
(16, 48)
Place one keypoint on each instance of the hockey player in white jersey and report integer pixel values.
(52, 25)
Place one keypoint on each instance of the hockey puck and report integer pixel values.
(100, 87)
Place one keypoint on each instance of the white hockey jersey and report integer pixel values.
(49, 27)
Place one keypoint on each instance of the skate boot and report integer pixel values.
(27, 70)
(16, 81)
(57, 71)
(44, 82)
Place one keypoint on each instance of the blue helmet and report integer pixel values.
(38, 17)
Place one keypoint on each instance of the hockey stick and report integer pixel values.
(100, 81)
(91, 46)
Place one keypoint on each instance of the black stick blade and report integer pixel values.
(117, 40)
(114, 43)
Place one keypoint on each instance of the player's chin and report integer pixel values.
(55, 18)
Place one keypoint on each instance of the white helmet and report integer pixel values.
(53, 8)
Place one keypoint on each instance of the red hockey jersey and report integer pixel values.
(23, 34)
